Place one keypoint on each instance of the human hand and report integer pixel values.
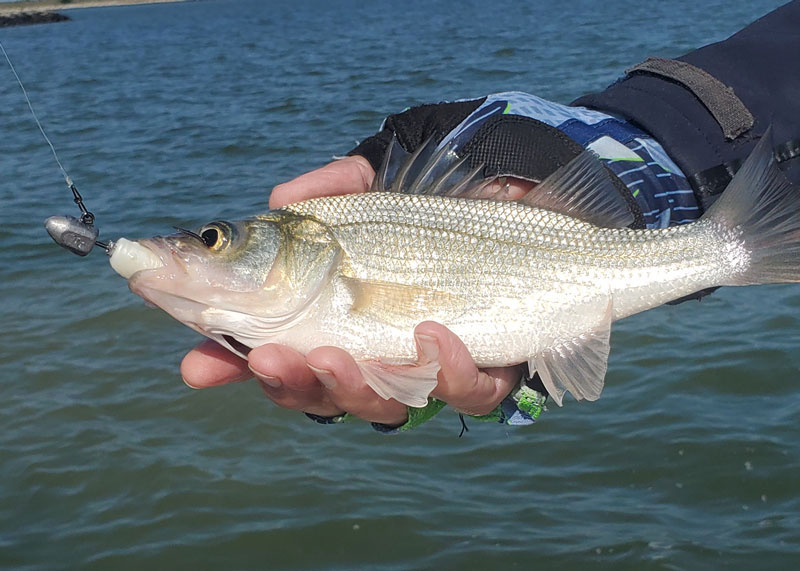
(327, 382)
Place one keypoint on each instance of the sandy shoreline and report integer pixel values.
(11, 8)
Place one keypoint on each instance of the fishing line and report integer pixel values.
(77, 235)
(35, 118)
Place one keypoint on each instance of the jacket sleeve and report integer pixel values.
(694, 117)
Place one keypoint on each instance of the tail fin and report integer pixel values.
(763, 207)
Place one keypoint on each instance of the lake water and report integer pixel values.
(181, 113)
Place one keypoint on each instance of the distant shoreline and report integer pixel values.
(10, 9)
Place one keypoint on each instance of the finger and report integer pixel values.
(461, 384)
(210, 364)
(345, 176)
(288, 382)
(345, 385)
(506, 188)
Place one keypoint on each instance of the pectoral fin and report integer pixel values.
(578, 365)
(388, 301)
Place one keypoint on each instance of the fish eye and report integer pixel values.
(210, 237)
(213, 237)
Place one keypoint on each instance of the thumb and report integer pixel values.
(345, 176)
(461, 384)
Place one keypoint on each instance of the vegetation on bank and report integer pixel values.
(27, 18)
(34, 6)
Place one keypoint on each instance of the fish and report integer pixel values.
(538, 280)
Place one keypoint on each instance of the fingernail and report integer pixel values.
(273, 382)
(324, 376)
(428, 347)
(185, 382)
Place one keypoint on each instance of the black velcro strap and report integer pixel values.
(710, 183)
(727, 109)
(787, 150)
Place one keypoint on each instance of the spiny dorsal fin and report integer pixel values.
(424, 168)
(430, 170)
(582, 189)
(416, 166)
(396, 156)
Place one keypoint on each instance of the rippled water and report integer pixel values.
(176, 114)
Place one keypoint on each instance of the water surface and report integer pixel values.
(177, 114)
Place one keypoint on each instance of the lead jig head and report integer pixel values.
(73, 234)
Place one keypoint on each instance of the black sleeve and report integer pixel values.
(760, 65)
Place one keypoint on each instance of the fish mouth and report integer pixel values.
(127, 258)
(181, 274)
(171, 255)
(182, 307)
(159, 257)
(162, 277)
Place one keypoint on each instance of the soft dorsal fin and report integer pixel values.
(582, 189)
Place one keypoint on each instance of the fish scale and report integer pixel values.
(543, 247)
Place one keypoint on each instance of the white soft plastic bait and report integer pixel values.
(128, 257)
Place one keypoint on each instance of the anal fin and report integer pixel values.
(578, 365)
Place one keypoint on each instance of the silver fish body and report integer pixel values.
(508, 279)
(516, 282)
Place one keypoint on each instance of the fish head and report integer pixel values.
(210, 278)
